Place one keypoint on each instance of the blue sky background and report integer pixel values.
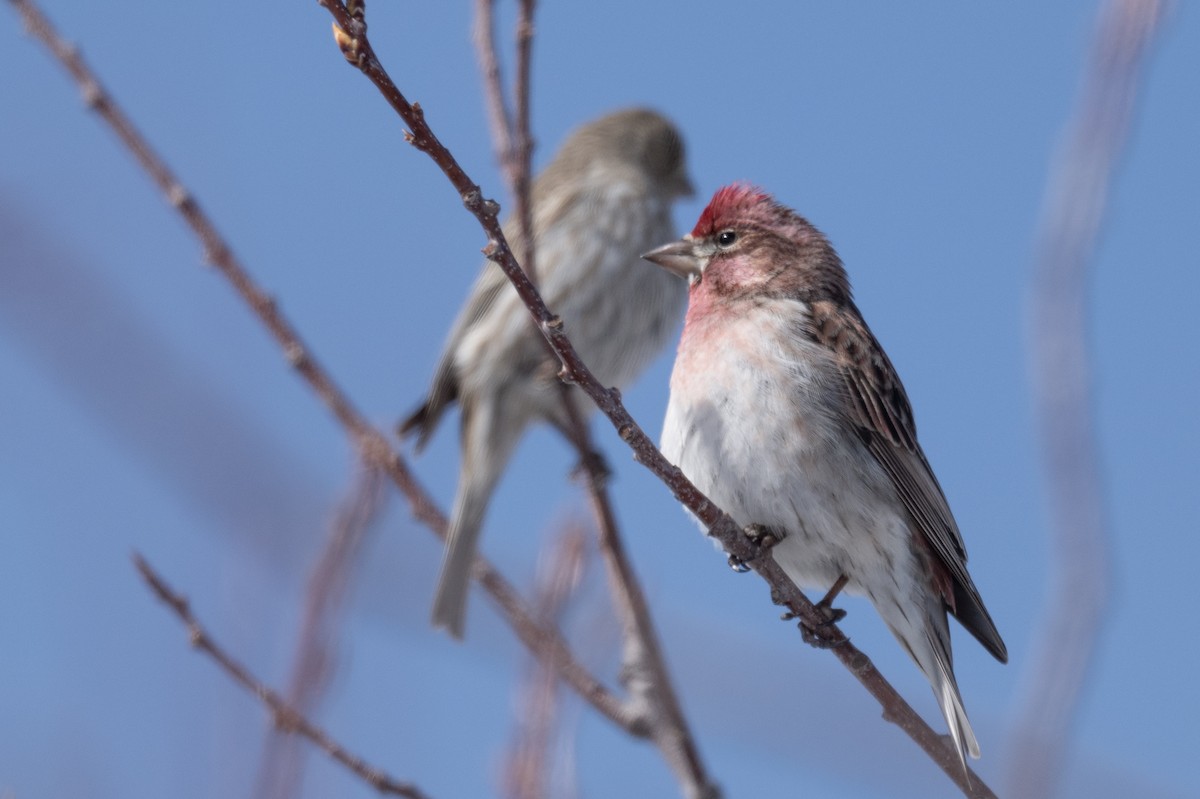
(142, 408)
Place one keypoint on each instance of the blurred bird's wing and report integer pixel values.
(878, 406)
(444, 390)
(550, 205)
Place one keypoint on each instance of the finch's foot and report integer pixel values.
(762, 537)
(819, 635)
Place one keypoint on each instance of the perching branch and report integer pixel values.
(1076, 200)
(653, 699)
(373, 446)
(285, 717)
(350, 33)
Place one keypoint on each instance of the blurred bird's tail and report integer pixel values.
(490, 432)
(476, 482)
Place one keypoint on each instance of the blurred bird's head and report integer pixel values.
(634, 144)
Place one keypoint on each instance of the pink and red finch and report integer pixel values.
(604, 200)
(786, 412)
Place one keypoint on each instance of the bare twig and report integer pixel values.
(561, 571)
(1077, 198)
(282, 769)
(522, 140)
(499, 117)
(373, 446)
(350, 34)
(653, 698)
(285, 717)
(511, 133)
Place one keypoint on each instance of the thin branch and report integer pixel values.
(1077, 198)
(282, 768)
(653, 698)
(561, 571)
(373, 446)
(350, 34)
(285, 717)
(521, 145)
(499, 118)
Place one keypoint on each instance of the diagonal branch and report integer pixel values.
(286, 717)
(1076, 201)
(350, 32)
(652, 694)
(373, 446)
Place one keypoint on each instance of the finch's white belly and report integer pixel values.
(753, 422)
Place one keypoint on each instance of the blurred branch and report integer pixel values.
(285, 717)
(511, 134)
(282, 769)
(1077, 198)
(652, 696)
(562, 569)
(350, 33)
(372, 445)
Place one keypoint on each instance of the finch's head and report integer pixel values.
(747, 243)
(635, 143)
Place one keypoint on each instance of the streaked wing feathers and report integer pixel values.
(879, 407)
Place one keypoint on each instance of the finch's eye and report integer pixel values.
(726, 238)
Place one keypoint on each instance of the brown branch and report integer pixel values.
(499, 118)
(511, 134)
(285, 717)
(373, 446)
(350, 33)
(282, 768)
(653, 698)
(521, 145)
(561, 571)
(1077, 197)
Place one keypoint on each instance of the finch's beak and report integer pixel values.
(679, 257)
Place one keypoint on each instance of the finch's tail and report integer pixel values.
(466, 522)
(486, 446)
(945, 688)
(928, 642)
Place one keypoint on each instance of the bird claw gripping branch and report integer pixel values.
(762, 537)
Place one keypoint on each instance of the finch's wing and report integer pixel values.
(486, 291)
(878, 406)
(444, 390)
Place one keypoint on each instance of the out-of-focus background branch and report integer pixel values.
(971, 106)
(1077, 201)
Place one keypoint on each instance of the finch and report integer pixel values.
(787, 413)
(604, 199)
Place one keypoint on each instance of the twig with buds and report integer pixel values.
(350, 33)
(373, 446)
(285, 717)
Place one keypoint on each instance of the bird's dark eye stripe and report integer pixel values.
(726, 237)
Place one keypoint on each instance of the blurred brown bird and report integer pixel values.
(604, 199)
